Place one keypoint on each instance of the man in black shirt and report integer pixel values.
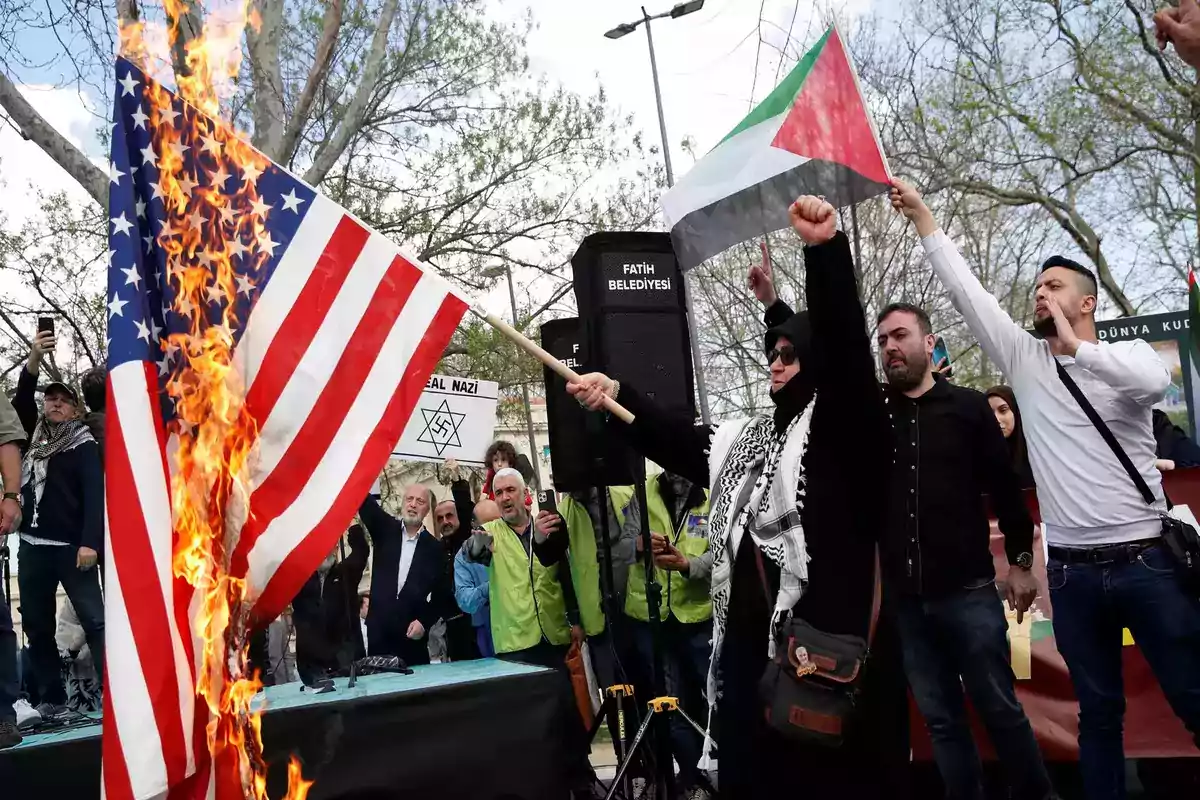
(938, 572)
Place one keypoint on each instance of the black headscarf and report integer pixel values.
(793, 396)
(1015, 440)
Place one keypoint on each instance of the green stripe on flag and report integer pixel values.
(781, 99)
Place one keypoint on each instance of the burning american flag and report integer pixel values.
(265, 352)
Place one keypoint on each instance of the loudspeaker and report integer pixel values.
(577, 435)
(629, 290)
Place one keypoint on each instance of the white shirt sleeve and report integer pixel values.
(1131, 368)
(1006, 343)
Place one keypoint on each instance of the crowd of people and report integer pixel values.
(856, 511)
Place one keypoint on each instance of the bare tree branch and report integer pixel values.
(333, 148)
(317, 74)
(35, 128)
(262, 39)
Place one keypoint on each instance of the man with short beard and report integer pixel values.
(406, 574)
(1107, 568)
(452, 518)
(939, 579)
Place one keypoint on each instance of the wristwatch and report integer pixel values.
(12, 496)
(1024, 560)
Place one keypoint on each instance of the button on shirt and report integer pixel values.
(949, 453)
(407, 548)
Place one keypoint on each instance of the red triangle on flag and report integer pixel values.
(828, 120)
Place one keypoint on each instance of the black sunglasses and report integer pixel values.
(786, 355)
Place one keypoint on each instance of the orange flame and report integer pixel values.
(210, 487)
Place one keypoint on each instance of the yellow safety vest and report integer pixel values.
(687, 600)
(526, 597)
(584, 558)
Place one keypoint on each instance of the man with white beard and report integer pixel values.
(405, 575)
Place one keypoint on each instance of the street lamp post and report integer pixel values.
(680, 10)
(492, 272)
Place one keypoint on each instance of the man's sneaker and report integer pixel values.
(9, 735)
(27, 715)
(50, 711)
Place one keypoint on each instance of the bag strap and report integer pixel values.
(1105, 434)
(876, 591)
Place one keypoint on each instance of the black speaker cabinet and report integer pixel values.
(630, 294)
(577, 437)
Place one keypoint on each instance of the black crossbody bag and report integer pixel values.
(1180, 540)
(810, 691)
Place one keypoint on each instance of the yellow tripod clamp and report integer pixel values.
(665, 703)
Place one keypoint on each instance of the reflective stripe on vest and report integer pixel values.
(687, 600)
(526, 597)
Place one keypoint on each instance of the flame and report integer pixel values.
(210, 487)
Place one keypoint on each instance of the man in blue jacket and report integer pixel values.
(471, 583)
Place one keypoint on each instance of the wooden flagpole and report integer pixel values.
(535, 350)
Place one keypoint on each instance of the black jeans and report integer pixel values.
(9, 683)
(960, 641)
(42, 568)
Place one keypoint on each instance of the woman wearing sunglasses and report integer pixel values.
(792, 526)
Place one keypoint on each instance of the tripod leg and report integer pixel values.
(601, 715)
(637, 740)
(692, 722)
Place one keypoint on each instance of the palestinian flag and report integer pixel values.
(811, 135)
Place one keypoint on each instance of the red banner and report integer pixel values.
(1151, 729)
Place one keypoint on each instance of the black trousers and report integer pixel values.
(42, 568)
(578, 770)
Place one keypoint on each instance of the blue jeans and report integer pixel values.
(686, 653)
(1092, 603)
(960, 641)
(9, 680)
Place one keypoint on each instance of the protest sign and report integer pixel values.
(455, 418)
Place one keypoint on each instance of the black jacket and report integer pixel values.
(1172, 442)
(846, 461)
(948, 453)
(72, 507)
(328, 634)
(390, 615)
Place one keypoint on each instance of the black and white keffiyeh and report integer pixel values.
(757, 480)
(48, 440)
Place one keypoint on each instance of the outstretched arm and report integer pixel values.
(1004, 341)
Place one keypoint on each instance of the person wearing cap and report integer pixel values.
(1106, 569)
(62, 530)
(789, 529)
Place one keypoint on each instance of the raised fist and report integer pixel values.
(814, 219)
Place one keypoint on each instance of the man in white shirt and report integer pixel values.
(1106, 569)
(406, 576)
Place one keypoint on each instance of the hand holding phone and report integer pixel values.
(941, 358)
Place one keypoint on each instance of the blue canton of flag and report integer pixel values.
(141, 299)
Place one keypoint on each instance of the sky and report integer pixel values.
(706, 66)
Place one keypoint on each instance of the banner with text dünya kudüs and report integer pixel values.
(455, 418)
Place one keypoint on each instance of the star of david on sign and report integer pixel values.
(441, 427)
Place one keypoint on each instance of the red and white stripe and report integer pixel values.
(334, 357)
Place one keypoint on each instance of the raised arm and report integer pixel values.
(1132, 368)
(1003, 341)
(356, 563)
(378, 522)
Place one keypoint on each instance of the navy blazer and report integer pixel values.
(390, 615)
